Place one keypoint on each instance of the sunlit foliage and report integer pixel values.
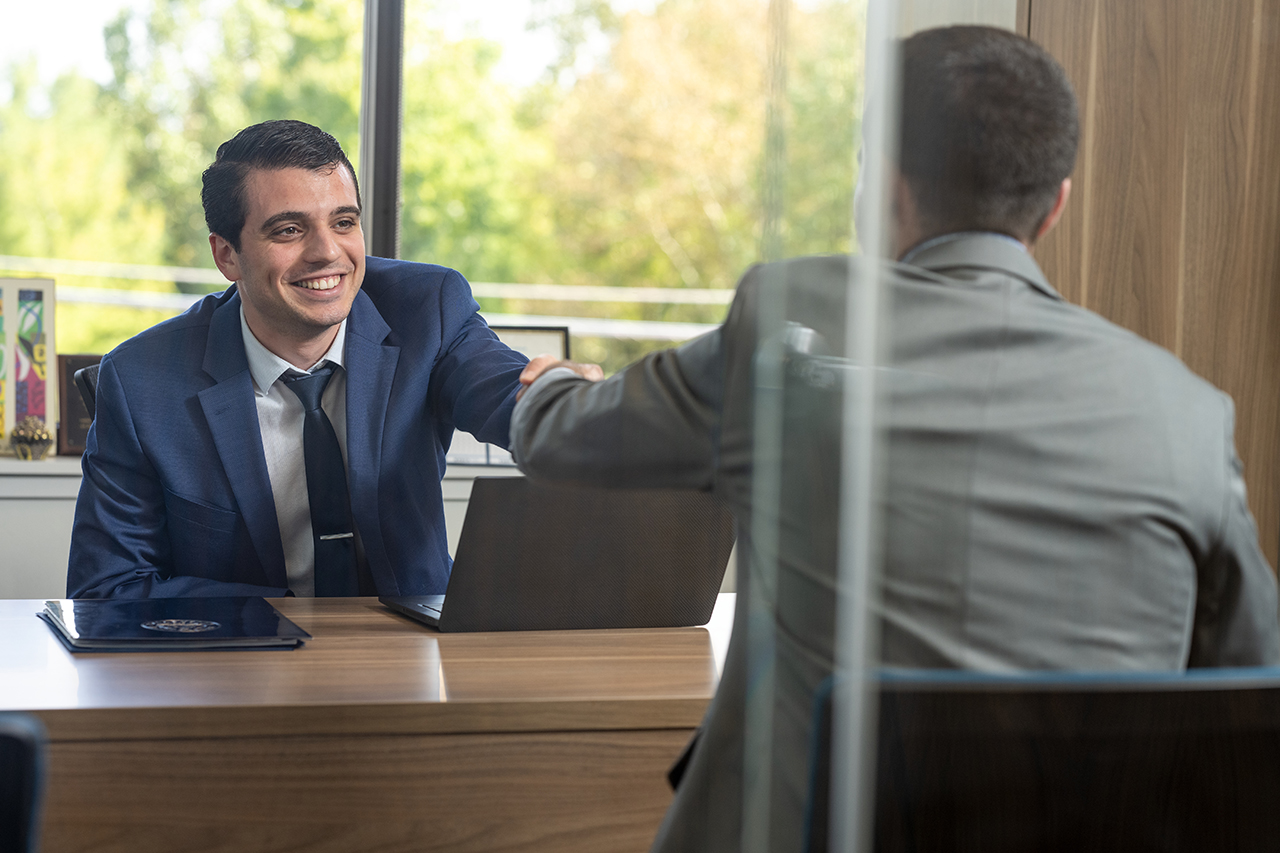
(636, 165)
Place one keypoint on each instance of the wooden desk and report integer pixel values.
(378, 734)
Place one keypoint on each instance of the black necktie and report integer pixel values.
(331, 526)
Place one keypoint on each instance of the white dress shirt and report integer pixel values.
(280, 422)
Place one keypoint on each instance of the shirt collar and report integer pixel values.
(958, 235)
(266, 367)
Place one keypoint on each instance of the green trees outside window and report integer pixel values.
(641, 167)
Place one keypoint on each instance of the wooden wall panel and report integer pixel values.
(1173, 229)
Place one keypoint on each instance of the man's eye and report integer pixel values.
(287, 231)
(347, 223)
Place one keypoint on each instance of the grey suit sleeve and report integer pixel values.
(1236, 621)
(653, 424)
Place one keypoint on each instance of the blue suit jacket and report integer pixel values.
(176, 500)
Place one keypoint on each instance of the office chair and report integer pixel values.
(1100, 763)
(22, 748)
(86, 379)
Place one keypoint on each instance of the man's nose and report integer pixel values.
(322, 244)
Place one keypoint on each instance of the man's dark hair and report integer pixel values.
(281, 144)
(989, 130)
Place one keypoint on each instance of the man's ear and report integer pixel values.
(904, 215)
(1056, 211)
(226, 257)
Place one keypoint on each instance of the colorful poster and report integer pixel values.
(29, 375)
(28, 386)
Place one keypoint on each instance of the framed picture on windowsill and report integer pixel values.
(28, 387)
(531, 341)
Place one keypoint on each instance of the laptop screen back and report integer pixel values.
(534, 556)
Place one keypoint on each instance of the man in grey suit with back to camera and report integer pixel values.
(1059, 494)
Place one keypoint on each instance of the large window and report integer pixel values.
(613, 154)
(598, 165)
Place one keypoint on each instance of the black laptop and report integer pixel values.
(534, 556)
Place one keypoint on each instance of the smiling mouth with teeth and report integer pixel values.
(326, 283)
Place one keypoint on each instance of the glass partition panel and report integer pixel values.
(857, 415)
(803, 357)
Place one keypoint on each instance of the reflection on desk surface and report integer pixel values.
(559, 664)
(363, 654)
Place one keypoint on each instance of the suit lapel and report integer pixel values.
(232, 416)
(371, 369)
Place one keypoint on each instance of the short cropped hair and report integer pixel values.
(281, 144)
(989, 130)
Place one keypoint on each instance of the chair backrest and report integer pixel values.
(22, 748)
(87, 381)
(1167, 763)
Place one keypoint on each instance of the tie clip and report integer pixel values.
(327, 536)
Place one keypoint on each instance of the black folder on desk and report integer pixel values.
(534, 556)
(170, 624)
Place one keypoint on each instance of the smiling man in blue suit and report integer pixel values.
(197, 478)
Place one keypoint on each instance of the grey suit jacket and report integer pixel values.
(1058, 494)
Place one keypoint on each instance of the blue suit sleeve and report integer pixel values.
(475, 379)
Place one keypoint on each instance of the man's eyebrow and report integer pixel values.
(297, 215)
(282, 216)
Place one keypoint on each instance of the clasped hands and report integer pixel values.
(543, 363)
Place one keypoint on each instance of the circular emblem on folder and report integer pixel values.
(181, 626)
